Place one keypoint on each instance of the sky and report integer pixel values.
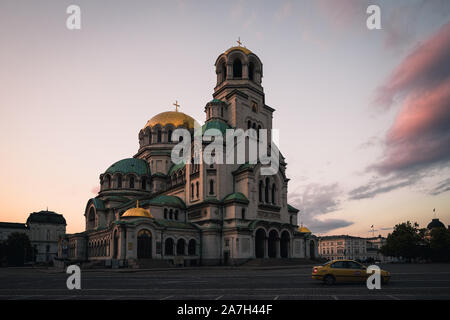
(364, 115)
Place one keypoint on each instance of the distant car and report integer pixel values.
(344, 271)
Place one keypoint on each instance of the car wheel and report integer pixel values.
(329, 280)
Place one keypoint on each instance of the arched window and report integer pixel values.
(273, 193)
(165, 213)
(191, 247)
(260, 191)
(192, 190)
(249, 124)
(211, 186)
(266, 198)
(108, 182)
(170, 214)
(197, 189)
(224, 71)
(180, 247)
(221, 112)
(251, 70)
(119, 181)
(144, 183)
(158, 139)
(169, 137)
(243, 213)
(131, 182)
(168, 247)
(237, 69)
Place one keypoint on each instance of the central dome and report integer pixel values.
(174, 118)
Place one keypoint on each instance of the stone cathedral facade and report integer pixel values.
(150, 210)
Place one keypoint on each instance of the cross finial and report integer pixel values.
(239, 41)
(176, 105)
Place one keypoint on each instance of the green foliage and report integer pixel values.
(440, 244)
(18, 249)
(410, 242)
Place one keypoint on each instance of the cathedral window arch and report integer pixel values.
(197, 189)
(119, 181)
(211, 186)
(144, 183)
(237, 68)
(266, 191)
(251, 71)
(181, 250)
(249, 124)
(131, 182)
(169, 135)
(273, 193)
(243, 213)
(165, 213)
(158, 135)
(192, 190)
(260, 191)
(170, 214)
(168, 247)
(107, 182)
(223, 67)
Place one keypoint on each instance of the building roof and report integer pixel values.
(242, 49)
(130, 165)
(213, 124)
(46, 217)
(137, 212)
(165, 200)
(236, 197)
(303, 229)
(176, 167)
(435, 223)
(292, 209)
(13, 225)
(174, 118)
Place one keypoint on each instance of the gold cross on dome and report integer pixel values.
(239, 41)
(176, 105)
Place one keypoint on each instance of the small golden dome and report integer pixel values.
(243, 49)
(137, 212)
(303, 229)
(174, 118)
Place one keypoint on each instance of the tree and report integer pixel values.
(405, 241)
(440, 244)
(18, 249)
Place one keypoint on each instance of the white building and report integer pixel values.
(43, 228)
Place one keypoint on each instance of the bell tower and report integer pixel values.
(239, 96)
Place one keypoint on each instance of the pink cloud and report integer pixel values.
(426, 66)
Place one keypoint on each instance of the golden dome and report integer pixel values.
(303, 229)
(243, 49)
(174, 118)
(137, 212)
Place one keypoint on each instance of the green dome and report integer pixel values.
(213, 124)
(130, 165)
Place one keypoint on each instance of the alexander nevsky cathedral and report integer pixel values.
(151, 211)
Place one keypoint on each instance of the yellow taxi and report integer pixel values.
(344, 271)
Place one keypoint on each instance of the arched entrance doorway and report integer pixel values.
(272, 245)
(260, 238)
(285, 244)
(144, 244)
(312, 250)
